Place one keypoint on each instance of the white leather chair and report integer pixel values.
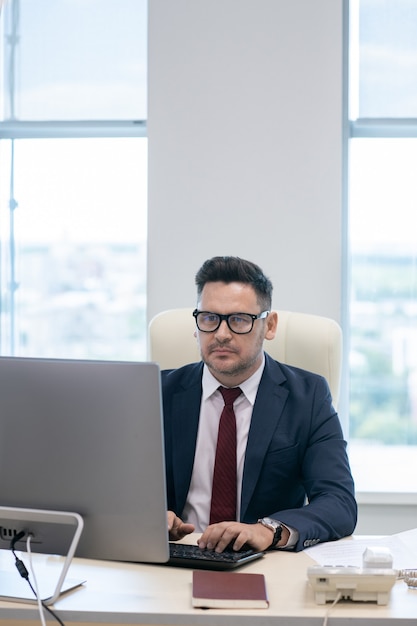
(311, 342)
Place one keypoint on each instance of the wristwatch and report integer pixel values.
(275, 526)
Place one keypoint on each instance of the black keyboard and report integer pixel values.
(184, 555)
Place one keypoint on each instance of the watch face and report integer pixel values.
(272, 522)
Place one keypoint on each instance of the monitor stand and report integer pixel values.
(48, 529)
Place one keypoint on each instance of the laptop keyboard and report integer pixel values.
(192, 556)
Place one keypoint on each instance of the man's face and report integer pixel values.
(232, 358)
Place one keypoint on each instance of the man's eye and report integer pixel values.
(236, 319)
(210, 318)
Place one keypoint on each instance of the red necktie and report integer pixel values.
(224, 488)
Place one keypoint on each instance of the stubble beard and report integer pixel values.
(238, 368)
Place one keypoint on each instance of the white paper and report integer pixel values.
(349, 551)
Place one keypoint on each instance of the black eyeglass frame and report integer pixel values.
(221, 317)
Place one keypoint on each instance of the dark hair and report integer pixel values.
(231, 269)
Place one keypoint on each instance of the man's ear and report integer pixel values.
(271, 325)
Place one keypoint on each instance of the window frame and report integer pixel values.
(368, 128)
(13, 129)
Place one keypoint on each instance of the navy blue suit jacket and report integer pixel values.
(295, 451)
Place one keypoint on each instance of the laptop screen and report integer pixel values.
(86, 437)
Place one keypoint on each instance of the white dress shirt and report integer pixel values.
(197, 507)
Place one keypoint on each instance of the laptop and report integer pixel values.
(87, 437)
(82, 437)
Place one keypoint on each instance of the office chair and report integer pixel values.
(311, 342)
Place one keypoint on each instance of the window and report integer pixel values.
(383, 243)
(73, 161)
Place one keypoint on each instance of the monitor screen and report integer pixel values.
(86, 437)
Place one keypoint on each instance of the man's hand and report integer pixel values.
(177, 529)
(219, 536)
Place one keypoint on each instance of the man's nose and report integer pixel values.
(223, 330)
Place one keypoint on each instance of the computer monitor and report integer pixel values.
(85, 437)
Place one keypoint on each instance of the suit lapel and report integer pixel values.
(267, 410)
(185, 410)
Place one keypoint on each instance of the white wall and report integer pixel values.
(245, 146)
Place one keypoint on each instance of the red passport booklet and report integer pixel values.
(229, 590)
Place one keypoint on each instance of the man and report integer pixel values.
(294, 485)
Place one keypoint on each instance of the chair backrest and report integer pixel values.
(311, 342)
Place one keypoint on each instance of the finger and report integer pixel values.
(185, 529)
(229, 540)
(171, 519)
(240, 540)
(219, 536)
(211, 535)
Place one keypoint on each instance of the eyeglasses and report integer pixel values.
(239, 323)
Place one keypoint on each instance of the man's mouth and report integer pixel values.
(221, 350)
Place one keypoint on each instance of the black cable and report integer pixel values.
(52, 613)
(21, 568)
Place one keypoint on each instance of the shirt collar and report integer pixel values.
(249, 387)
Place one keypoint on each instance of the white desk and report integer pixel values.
(159, 595)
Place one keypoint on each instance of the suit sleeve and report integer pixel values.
(330, 511)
